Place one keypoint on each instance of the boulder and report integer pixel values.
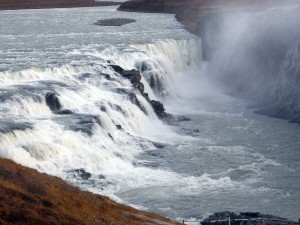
(52, 101)
(160, 111)
(133, 75)
(81, 173)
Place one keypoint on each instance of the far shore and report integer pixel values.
(47, 4)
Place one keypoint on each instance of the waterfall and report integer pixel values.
(99, 129)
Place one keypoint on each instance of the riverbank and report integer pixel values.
(30, 197)
(191, 13)
(35, 4)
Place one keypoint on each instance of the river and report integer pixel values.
(225, 158)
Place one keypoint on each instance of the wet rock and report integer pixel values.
(64, 112)
(133, 75)
(114, 22)
(135, 78)
(134, 100)
(52, 101)
(158, 145)
(109, 135)
(81, 173)
(245, 218)
(103, 108)
(117, 68)
(160, 111)
(107, 76)
(101, 177)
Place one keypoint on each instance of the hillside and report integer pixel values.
(39, 4)
(29, 197)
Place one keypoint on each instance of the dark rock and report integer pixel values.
(196, 130)
(101, 177)
(133, 75)
(103, 108)
(52, 101)
(158, 108)
(114, 22)
(81, 173)
(160, 111)
(158, 145)
(251, 214)
(109, 135)
(119, 127)
(133, 99)
(117, 68)
(107, 76)
(245, 218)
(64, 112)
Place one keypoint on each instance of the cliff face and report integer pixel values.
(29, 197)
(191, 13)
(39, 4)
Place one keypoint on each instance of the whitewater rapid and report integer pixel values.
(89, 140)
(225, 158)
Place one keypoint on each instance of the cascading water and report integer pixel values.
(99, 131)
(68, 109)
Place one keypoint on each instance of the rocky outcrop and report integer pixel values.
(135, 78)
(52, 101)
(246, 218)
(114, 22)
(28, 197)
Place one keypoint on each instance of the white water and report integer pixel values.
(233, 162)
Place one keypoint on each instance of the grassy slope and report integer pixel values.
(29, 197)
(38, 4)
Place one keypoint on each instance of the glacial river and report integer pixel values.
(225, 158)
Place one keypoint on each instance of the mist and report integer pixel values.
(256, 56)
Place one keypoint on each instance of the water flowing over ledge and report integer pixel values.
(105, 120)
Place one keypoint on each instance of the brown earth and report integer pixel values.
(28, 197)
(192, 12)
(40, 4)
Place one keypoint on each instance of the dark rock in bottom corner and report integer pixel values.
(245, 218)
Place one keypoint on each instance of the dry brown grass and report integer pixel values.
(31, 198)
(38, 4)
